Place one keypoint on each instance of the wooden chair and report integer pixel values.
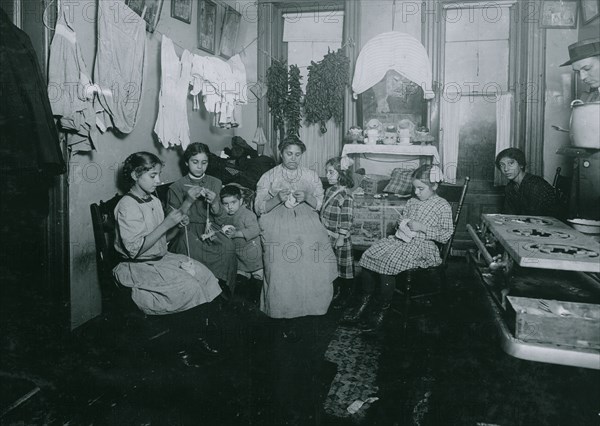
(562, 188)
(455, 195)
(103, 224)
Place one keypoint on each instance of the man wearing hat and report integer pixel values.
(584, 57)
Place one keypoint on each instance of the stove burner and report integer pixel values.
(561, 250)
(524, 220)
(533, 232)
(533, 221)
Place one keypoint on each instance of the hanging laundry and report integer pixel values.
(222, 85)
(396, 51)
(209, 77)
(119, 67)
(236, 94)
(70, 90)
(172, 126)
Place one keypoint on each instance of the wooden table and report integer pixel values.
(388, 157)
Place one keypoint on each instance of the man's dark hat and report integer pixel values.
(583, 49)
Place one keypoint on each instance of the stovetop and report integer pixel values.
(544, 242)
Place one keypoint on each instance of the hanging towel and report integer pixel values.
(238, 71)
(70, 89)
(119, 67)
(172, 127)
(392, 51)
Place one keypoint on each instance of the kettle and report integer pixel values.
(585, 124)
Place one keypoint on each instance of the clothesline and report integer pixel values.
(156, 31)
(185, 48)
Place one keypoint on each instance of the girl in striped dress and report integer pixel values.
(426, 219)
(337, 215)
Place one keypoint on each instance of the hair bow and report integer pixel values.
(346, 162)
(436, 175)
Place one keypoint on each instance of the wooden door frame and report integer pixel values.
(56, 262)
(270, 34)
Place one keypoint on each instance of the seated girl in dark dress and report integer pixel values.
(526, 194)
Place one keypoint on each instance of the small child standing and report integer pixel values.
(337, 215)
(241, 225)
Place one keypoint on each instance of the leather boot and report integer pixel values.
(375, 323)
(355, 315)
(337, 292)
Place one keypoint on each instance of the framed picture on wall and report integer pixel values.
(182, 10)
(590, 9)
(229, 32)
(147, 9)
(207, 25)
(559, 14)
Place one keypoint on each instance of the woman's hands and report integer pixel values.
(209, 195)
(300, 196)
(306, 197)
(196, 192)
(339, 242)
(415, 226)
(174, 217)
(185, 221)
(283, 195)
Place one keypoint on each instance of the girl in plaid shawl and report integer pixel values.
(426, 219)
(336, 215)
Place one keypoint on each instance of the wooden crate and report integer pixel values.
(557, 322)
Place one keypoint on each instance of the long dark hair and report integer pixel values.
(194, 149)
(292, 140)
(140, 163)
(345, 176)
(514, 154)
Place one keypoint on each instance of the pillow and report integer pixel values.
(400, 182)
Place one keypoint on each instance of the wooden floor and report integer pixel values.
(127, 370)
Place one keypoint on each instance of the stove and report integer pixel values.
(544, 243)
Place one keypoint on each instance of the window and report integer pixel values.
(307, 36)
(477, 97)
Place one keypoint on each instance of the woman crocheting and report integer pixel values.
(196, 195)
(297, 255)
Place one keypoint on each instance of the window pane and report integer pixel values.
(489, 23)
(477, 138)
(480, 66)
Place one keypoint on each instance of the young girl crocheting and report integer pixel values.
(161, 282)
(426, 219)
(197, 195)
(337, 215)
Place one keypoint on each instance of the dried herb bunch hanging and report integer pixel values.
(325, 89)
(277, 82)
(292, 108)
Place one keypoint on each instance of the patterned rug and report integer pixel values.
(357, 359)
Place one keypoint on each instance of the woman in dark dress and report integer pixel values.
(218, 251)
(526, 194)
